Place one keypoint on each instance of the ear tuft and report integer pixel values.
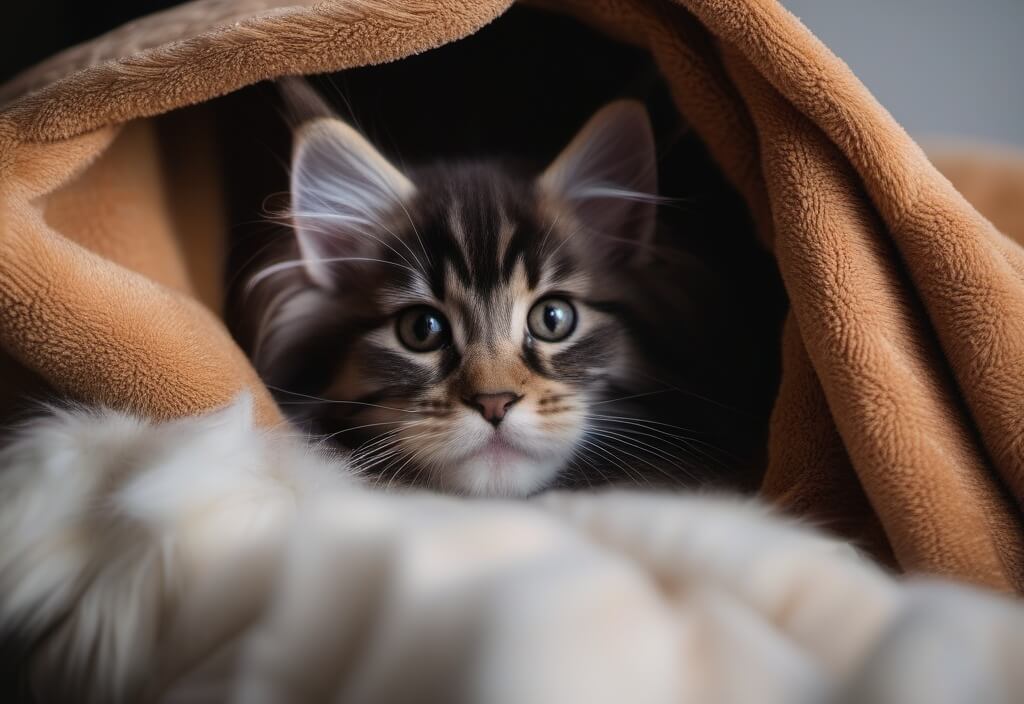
(301, 100)
(608, 175)
(342, 189)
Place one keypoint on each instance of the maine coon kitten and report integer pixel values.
(471, 327)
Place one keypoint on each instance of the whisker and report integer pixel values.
(669, 440)
(386, 454)
(660, 470)
(607, 452)
(420, 470)
(640, 445)
(371, 425)
(408, 458)
(403, 425)
(687, 392)
(374, 448)
(399, 200)
(338, 401)
(593, 467)
(390, 447)
(544, 240)
(627, 398)
(401, 467)
(373, 224)
(567, 238)
(649, 424)
(692, 446)
(692, 441)
(293, 263)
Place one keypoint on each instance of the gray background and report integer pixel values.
(943, 68)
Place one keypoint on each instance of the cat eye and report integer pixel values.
(551, 319)
(422, 329)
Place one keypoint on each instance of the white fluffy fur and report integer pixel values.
(106, 518)
(203, 560)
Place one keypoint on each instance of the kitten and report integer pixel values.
(469, 326)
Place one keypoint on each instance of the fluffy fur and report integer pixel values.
(105, 517)
(204, 560)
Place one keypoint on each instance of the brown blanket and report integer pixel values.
(901, 409)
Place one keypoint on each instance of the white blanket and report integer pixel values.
(202, 560)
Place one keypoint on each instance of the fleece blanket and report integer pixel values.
(899, 411)
(200, 560)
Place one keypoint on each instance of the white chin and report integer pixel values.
(503, 475)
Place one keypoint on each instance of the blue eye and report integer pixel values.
(422, 329)
(552, 319)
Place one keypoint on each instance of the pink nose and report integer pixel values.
(493, 407)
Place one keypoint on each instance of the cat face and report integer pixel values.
(470, 316)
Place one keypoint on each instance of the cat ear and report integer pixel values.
(608, 175)
(301, 100)
(341, 190)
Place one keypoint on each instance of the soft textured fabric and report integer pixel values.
(200, 560)
(899, 412)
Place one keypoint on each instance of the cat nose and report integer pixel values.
(493, 407)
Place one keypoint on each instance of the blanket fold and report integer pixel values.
(898, 420)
